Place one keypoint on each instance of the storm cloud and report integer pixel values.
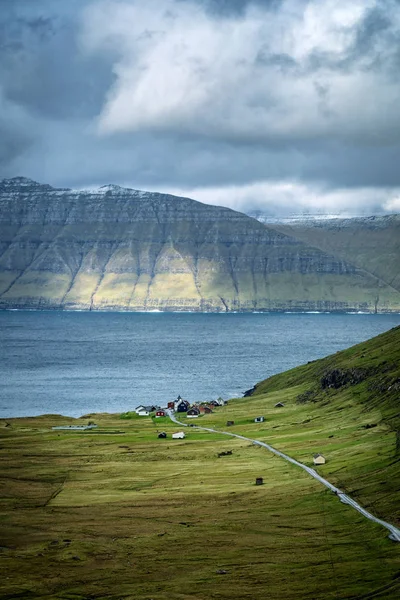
(282, 106)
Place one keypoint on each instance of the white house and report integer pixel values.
(142, 413)
(259, 420)
(178, 436)
(319, 459)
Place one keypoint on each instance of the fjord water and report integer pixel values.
(74, 363)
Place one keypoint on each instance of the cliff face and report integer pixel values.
(120, 249)
(371, 243)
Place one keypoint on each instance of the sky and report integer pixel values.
(282, 106)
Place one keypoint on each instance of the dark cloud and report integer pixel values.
(43, 69)
(203, 95)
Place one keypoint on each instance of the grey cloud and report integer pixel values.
(44, 69)
(52, 91)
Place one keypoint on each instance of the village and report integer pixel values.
(196, 410)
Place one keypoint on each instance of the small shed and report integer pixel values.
(259, 420)
(160, 413)
(319, 459)
(178, 436)
(279, 405)
(162, 435)
(230, 423)
(259, 481)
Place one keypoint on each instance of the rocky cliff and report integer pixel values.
(371, 243)
(120, 249)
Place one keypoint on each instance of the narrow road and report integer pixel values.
(394, 531)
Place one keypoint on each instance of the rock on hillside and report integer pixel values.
(120, 249)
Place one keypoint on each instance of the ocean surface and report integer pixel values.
(75, 363)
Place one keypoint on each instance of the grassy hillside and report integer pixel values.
(117, 513)
(346, 406)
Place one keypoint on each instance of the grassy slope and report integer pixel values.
(126, 515)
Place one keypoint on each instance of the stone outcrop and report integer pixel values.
(120, 249)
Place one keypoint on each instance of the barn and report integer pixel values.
(319, 459)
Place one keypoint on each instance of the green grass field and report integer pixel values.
(116, 513)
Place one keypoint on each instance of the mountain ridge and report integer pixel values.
(116, 248)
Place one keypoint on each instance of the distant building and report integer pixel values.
(182, 406)
(161, 413)
(230, 423)
(142, 411)
(319, 459)
(178, 436)
(205, 410)
(279, 405)
(259, 420)
(162, 435)
(193, 412)
(171, 405)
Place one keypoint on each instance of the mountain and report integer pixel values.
(115, 248)
(370, 243)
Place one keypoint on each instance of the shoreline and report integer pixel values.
(203, 312)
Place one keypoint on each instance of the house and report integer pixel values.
(178, 436)
(214, 403)
(205, 410)
(142, 413)
(279, 405)
(319, 459)
(193, 412)
(160, 413)
(259, 420)
(171, 405)
(162, 435)
(182, 406)
(220, 401)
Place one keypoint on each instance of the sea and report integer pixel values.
(79, 363)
